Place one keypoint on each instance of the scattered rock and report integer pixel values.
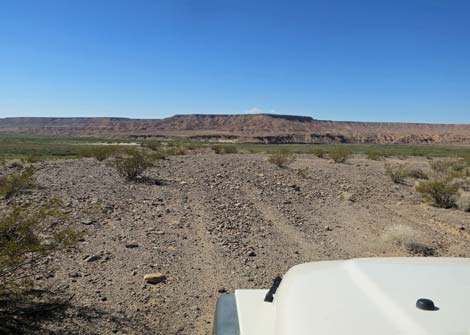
(87, 221)
(132, 245)
(154, 278)
(92, 258)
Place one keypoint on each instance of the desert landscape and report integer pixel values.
(208, 220)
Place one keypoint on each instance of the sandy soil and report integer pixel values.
(217, 223)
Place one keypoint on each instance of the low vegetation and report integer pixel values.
(281, 158)
(448, 185)
(100, 153)
(27, 235)
(398, 173)
(340, 154)
(17, 182)
(224, 149)
(134, 164)
(408, 239)
(440, 191)
(375, 155)
(320, 153)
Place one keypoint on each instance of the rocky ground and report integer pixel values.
(215, 223)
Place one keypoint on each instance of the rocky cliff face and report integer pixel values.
(262, 128)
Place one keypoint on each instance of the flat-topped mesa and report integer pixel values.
(257, 128)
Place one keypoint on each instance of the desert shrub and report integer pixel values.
(417, 173)
(31, 158)
(152, 145)
(444, 167)
(224, 149)
(462, 200)
(174, 150)
(15, 183)
(27, 235)
(340, 154)
(281, 158)
(408, 239)
(397, 173)
(440, 190)
(134, 165)
(320, 153)
(100, 153)
(375, 155)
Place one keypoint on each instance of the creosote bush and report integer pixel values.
(15, 183)
(28, 234)
(439, 190)
(340, 154)
(449, 184)
(281, 158)
(134, 164)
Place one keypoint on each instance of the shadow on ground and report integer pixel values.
(44, 312)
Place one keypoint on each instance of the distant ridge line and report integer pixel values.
(260, 128)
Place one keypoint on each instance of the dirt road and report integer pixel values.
(217, 223)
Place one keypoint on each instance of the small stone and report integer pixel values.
(328, 228)
(154, 278)
(92, 258)
(222, 290)
(87, 221)
(74, 274)
(252, 253)
(131, 245)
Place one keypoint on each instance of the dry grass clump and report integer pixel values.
(417, 173)
(134, 164)
(281, 158)
(224, 149)
(15, 183)
(340, 154)
(462, 200)
(397, 173)
(407, 238)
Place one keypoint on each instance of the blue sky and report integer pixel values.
(339, 60)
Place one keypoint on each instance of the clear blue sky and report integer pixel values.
(396, 60)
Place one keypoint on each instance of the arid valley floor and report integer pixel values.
(215, 223)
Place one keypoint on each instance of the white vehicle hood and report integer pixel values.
(365, 297)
